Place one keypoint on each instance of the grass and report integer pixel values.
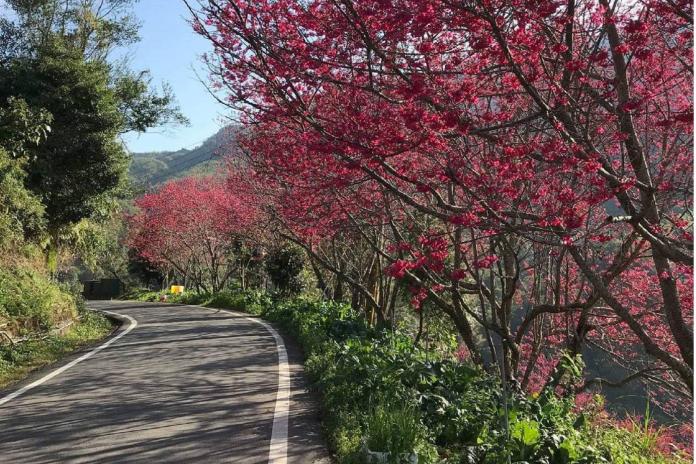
(252, 302)
(394, 430)
(17, 361)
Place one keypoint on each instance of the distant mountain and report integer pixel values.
(152, 168)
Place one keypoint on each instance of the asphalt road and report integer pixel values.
(184, 385)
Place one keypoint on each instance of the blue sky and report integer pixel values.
(171, 51)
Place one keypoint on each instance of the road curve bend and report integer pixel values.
(175, 384)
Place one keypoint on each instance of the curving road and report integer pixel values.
(175, 384)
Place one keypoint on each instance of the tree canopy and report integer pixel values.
(56, 60)
(523, 167)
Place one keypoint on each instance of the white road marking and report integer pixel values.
(278, 451)
(60, 370)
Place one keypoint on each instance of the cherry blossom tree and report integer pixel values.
(194, 227)
(525, 167)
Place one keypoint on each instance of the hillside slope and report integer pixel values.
(152, 168)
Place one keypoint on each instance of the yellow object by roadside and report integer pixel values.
(177, 289)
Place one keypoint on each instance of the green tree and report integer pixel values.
(81, 165)
(61, 66)
(100, 246)
(21, 212)
(93, 28)
(141, 105)
(55, 58)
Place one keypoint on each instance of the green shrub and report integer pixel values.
(137, 294)
(345, 435)
(284, 266)
(30, 302)
(377, 388)
(357, 369)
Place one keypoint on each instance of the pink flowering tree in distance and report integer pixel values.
(193, 227)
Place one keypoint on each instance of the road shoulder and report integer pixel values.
(64, 351)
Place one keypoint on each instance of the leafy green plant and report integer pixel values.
(447, 411)
(393, 429)
(525, 436)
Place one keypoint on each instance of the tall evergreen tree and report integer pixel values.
(55, 57)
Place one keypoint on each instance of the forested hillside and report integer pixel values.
(152, 168)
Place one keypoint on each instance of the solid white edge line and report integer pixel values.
(278, 450)
(60, 370)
